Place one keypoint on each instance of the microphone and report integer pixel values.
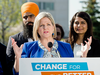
(50, 44)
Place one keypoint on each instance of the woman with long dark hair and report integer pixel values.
(81, 36)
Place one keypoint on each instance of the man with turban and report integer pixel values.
(29, 11)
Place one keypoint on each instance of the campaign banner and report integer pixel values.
(59, 66)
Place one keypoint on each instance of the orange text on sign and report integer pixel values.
(69, 73)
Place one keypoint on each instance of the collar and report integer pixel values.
(55, 46)
(53, 51)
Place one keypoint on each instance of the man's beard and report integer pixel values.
(28, 30)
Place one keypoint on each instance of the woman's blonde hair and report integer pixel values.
(37, 21)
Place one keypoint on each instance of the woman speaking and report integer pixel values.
(44, 45)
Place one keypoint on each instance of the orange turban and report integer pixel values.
(30, 7)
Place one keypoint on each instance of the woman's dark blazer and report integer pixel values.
(95, 49)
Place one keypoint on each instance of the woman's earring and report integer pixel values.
(52, 34)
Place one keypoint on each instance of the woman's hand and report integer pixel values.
(85, 48)
(17, 50)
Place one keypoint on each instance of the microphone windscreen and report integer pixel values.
(50, 44)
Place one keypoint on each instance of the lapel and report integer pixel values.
(37, 52)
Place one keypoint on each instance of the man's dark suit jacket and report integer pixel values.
(19, 38)
(3, 57)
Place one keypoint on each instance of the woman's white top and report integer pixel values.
(77, 50)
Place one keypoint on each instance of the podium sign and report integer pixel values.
(59, 66)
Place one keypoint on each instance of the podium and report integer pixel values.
(59, 66)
